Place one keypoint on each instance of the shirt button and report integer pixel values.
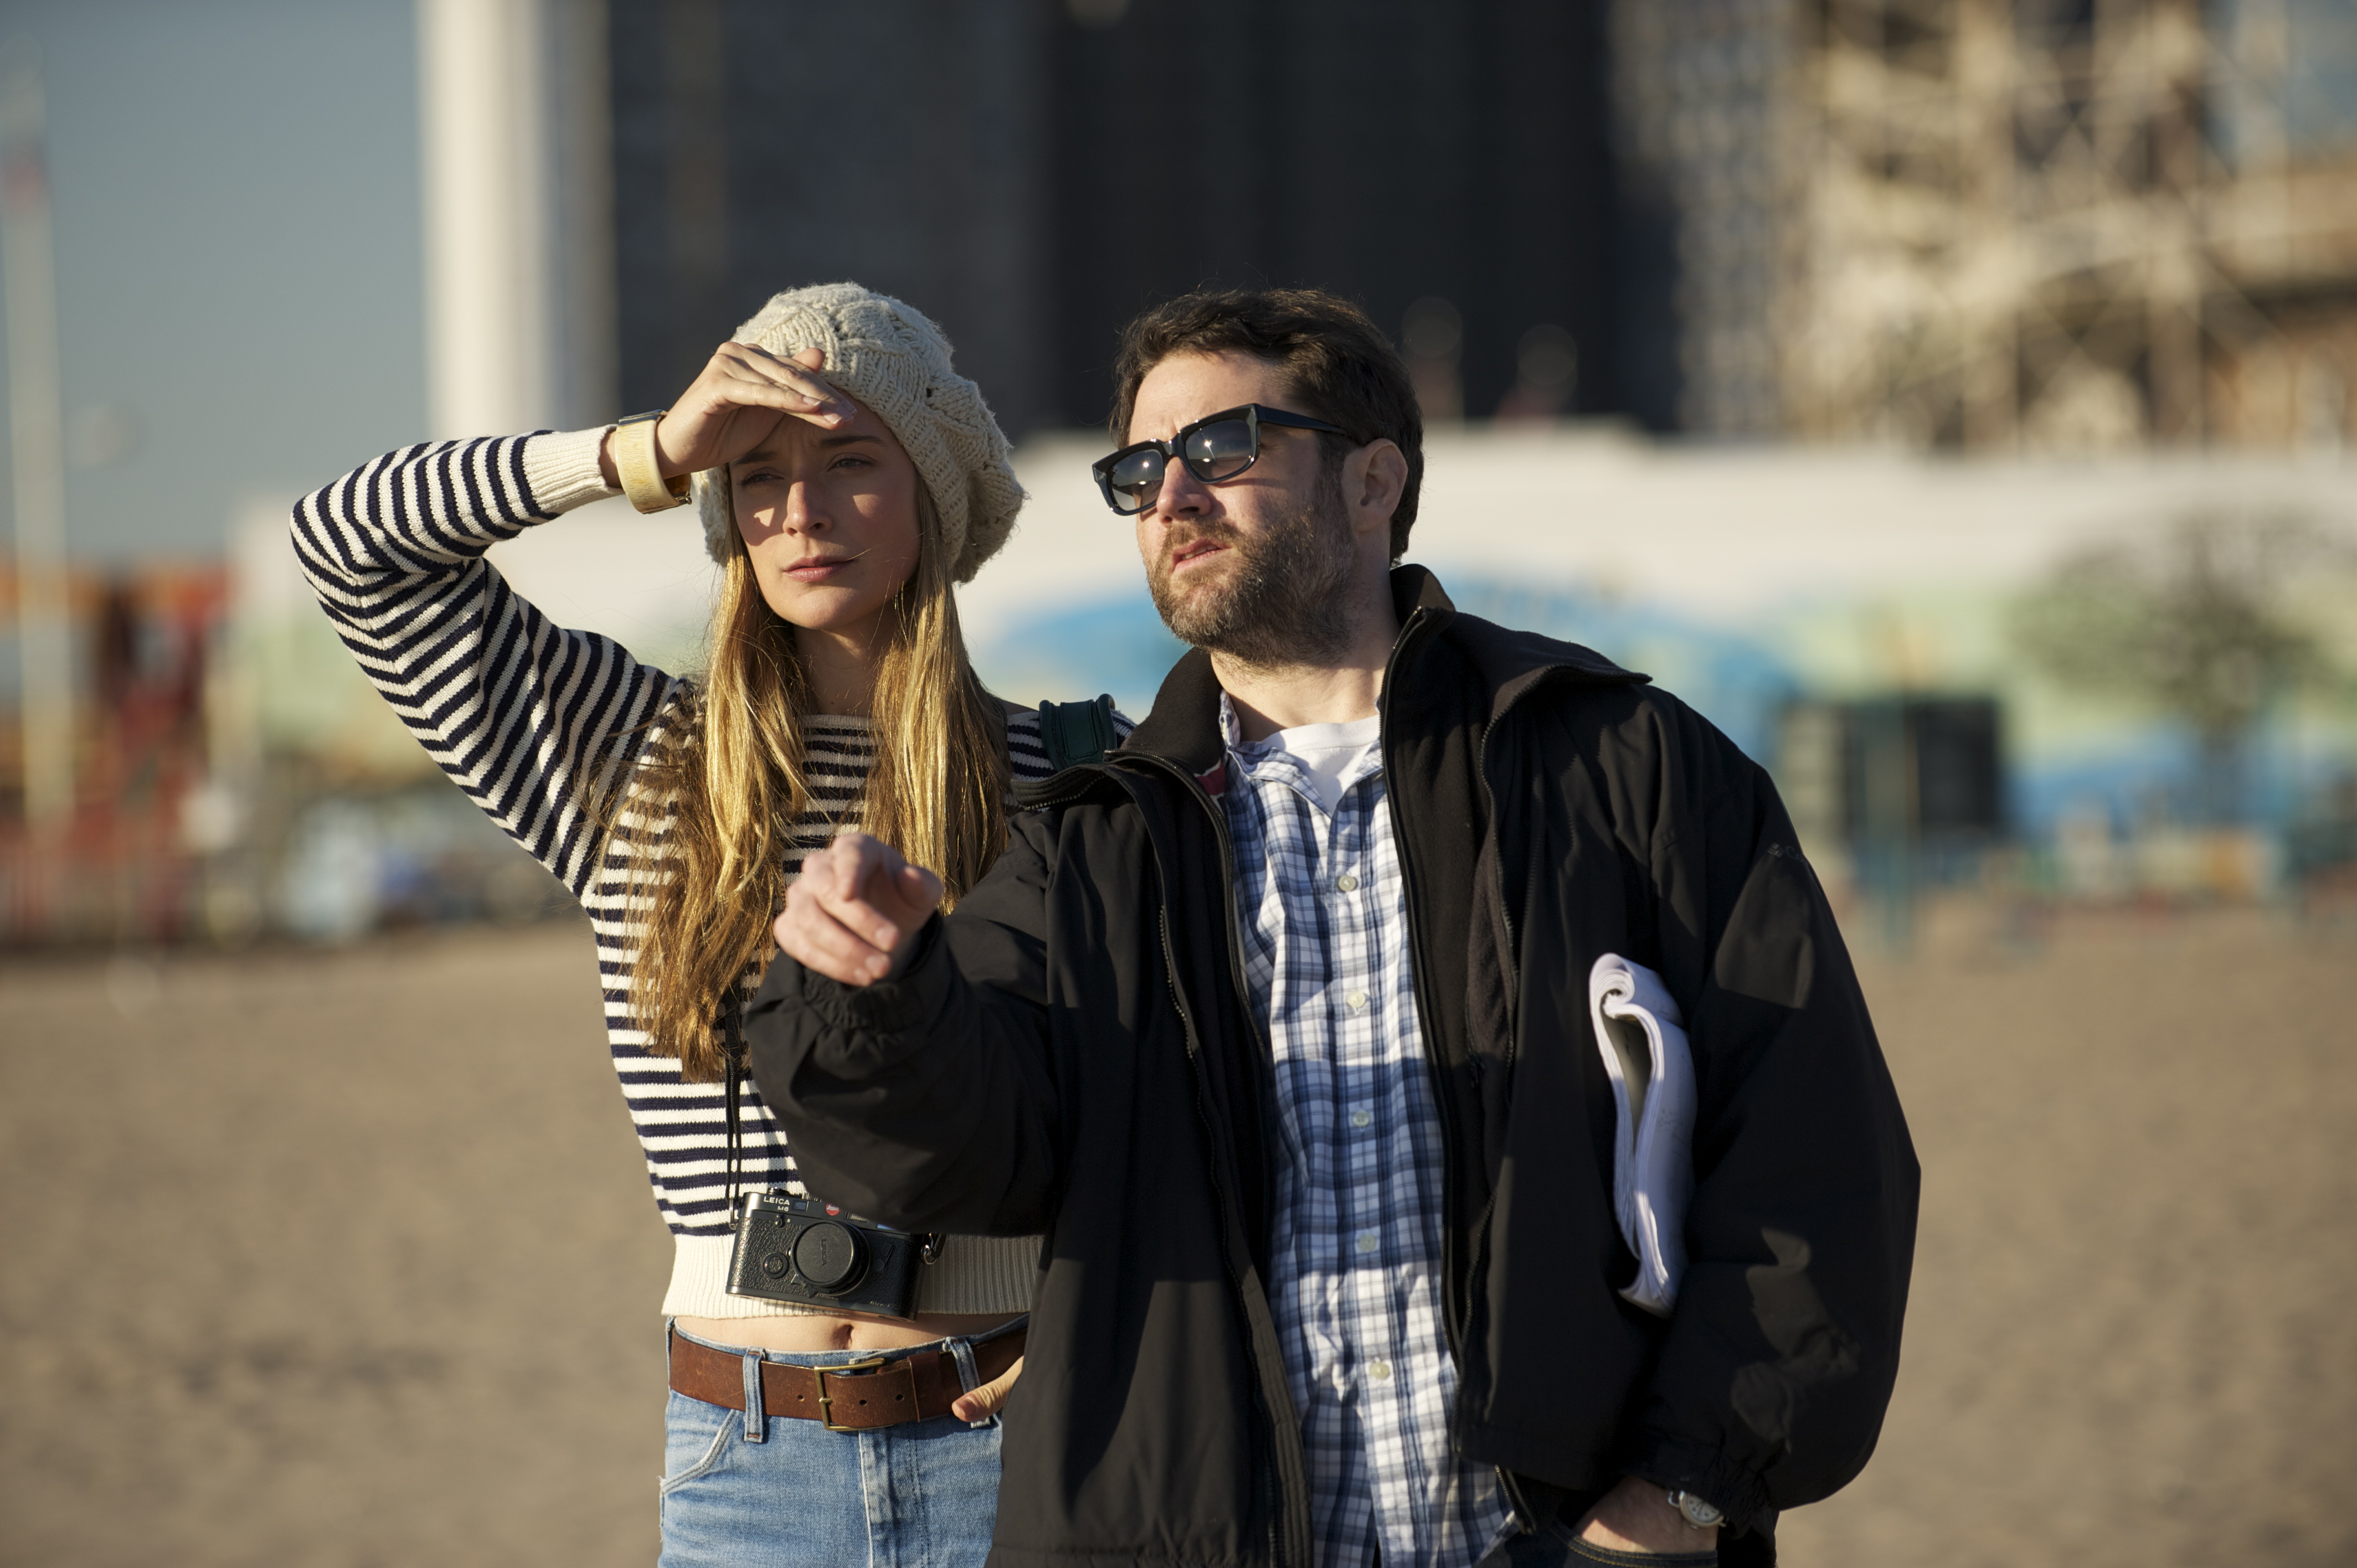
(1347, 883)
(1368, 1241)
(1357, 999)
(1359, 1118)
(1379, 1371)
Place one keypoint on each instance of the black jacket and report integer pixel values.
(1071, 1053)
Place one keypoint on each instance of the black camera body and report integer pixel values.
(814, 1254)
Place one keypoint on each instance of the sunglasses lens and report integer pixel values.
(1219, 451)
(1136, 478)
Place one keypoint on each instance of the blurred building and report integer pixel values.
(1033, 172)
(2107, 248)
(1986, 224)
(1990, 224)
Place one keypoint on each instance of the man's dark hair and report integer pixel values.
(1338, 367)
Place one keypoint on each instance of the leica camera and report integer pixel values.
(813, 1253)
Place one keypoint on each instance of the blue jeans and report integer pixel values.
(920, 1495)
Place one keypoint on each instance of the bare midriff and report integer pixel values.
(798, 1335)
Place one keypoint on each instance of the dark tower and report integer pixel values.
(1032, 172)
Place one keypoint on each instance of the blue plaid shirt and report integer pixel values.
(1356, 1273)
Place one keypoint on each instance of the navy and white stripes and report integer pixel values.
(529, 718)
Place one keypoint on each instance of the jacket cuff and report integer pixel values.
(1682, 1466)
(562, 470)
(886, 1007)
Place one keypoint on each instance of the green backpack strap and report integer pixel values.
(1077, 733)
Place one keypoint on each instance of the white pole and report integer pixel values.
(29, 281)
(483, 91)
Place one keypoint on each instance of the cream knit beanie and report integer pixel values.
(898, 363)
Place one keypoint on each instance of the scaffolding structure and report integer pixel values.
(2004, 224)
(1707, 96)
(2071, 224)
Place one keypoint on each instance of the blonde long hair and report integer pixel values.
(707, 817)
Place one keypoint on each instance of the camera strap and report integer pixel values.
(732, 1046)
(732, 1049)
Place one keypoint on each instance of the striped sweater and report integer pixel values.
(521, 713)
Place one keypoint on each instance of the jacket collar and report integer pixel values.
(1184, 723)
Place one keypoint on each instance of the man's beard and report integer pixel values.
(1288, 600)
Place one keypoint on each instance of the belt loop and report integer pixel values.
(969, 1377)
(756, 1423)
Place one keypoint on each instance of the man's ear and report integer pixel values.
(1373, 480)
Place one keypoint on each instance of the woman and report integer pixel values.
(846, 477)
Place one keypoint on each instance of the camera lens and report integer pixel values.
(830, 1256)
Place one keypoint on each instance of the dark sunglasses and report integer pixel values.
(1215, 448)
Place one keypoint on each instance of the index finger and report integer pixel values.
(851, 859)
(796, 374)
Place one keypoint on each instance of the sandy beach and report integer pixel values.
(345, 1258)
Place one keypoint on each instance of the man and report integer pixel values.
(1276, 1023)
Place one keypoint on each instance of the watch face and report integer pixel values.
(1699, 1514)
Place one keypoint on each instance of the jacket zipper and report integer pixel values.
(1451, 1321)
(1272, 1499)
(1507, 1483)
(1497, 889)
(1243, 1000)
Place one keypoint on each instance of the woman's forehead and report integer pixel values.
(792, 436)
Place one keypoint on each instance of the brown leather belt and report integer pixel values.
(882, 1389)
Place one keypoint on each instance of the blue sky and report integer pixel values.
(239, 264)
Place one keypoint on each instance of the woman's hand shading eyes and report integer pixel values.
(737, 402)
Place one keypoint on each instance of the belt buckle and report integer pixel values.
(827, 1405)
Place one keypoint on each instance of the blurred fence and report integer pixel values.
(1852, 620)
(117, 865)
(193, 819)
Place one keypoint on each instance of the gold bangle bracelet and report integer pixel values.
(640, 465)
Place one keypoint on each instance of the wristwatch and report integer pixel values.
(1698, 1514)
(636, 464)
